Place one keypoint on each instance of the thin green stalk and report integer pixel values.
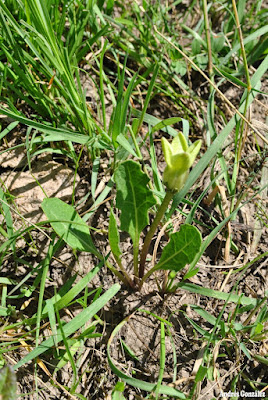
(207, 28)
(51, 250)
(149, 273)
(148, 97)
(136, 258)
(211, 103)
(124, 272)
(67, 348)
(162, 358)
(249, 87)
(242, 45)
(133, 137)
(168, 197)
(102, 97)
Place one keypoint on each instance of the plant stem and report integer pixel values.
(125, 279)
(161, 211)
(149, 273)
(136, 258)
(124, 272)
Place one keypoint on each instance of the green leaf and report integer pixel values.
(245, 350)
(8, 129)
(201, 373)
(151, 120)
(162, 359)
(69, 225)
(8, 385)
(181, 249)
(204, 314)
(118, 396)
(122, 140)
(216, 294)
(117, 393)
(7, 281)
(4, 311)
(78, 344)
(217, 43)
(166, 122)
(263, 360)
(231, 77)
(113, 236)
(53, 134)
(128, 350)
(133, 198)
(116, 122)
(258, 329)
(7, 215)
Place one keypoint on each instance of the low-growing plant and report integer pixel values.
(134, 199)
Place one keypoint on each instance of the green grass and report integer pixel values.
(99, 82)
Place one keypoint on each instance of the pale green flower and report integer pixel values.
(179, 158)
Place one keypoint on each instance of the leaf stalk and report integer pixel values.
(159, 215)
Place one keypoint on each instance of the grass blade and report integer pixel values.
(72, 326)
(216, 294)
(162, 359)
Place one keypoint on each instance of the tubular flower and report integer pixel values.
(179, 158)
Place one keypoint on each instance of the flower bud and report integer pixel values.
(179, 158)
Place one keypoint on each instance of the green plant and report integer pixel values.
(117, 393)
(134, 199)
